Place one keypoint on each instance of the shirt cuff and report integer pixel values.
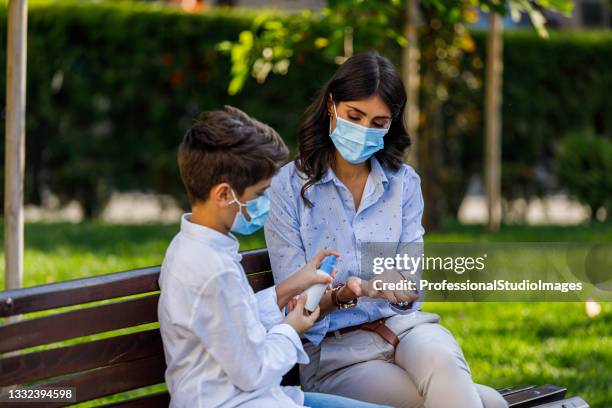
(292, 335)
(269, 313)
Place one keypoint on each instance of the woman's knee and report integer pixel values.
(429, 358)
(441, 358)
(430, 348)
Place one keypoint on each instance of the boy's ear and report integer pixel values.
(221, 194)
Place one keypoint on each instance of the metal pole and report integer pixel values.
(14, 160)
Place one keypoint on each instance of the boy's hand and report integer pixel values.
(298, 317)
(304, 278)
(308, 276)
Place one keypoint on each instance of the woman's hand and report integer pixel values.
(308, 276)
(352, 289)
(393, 296)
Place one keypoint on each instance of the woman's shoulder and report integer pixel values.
(405, 174)
(288, 178)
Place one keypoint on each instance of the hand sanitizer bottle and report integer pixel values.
(316, 291)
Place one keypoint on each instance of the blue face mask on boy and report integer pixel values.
(356, 143)
(257, 209)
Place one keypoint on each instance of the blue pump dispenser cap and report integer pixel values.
(328, 264)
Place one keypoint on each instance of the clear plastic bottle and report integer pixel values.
(316, 291)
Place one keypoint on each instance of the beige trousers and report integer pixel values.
(427, 369)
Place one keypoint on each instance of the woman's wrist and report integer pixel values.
(344, 295)
(341, 299)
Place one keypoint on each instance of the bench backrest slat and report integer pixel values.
(114, 379)
(255, 261)
(78, 291)
(79, 357)
(78, 323)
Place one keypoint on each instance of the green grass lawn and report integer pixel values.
(505, 343)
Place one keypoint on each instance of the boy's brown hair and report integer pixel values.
(228, 146)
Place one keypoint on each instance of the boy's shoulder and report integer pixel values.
(192, 262)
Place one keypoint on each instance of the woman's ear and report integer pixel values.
(330, 101)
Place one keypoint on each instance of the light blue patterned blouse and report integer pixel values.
(390, 211)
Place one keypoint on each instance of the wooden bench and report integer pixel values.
(100, 367)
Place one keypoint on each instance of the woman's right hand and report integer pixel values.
(299, 318)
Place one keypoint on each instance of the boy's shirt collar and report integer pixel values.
(224, 242)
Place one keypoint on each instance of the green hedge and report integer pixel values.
(585, 167)
(551, 87)
(112, 88)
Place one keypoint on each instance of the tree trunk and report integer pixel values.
(493, 118)
(16, 53)
(431, 153)
(411, 55)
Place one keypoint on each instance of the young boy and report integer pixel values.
(224, 345)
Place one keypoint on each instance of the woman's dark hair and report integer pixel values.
(359, 77)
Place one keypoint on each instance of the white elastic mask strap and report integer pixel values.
(235, 200)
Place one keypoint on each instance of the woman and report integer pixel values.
(349, 187)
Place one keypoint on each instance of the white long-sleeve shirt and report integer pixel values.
(224, 345)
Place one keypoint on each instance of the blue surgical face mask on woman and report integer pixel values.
(356, 143)
(257, 209)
